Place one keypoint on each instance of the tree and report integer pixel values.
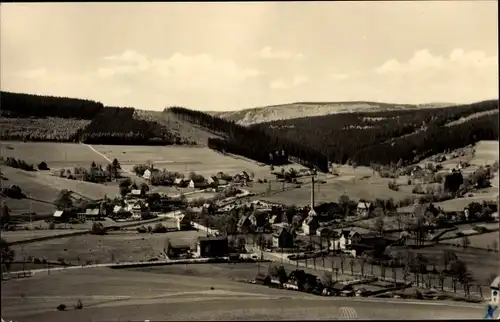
(6, 253)
(351, 265)
(465, 242)
(278, 272)
(144, 189)
(115, 167)
(448, 257)
(328, 281)
(5, 215)
(98, 229)
(379, 225)
(64, 200)
(362, 263)
(342, 260)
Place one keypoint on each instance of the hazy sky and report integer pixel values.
(229, 56)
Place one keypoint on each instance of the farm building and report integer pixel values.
(346, 239)
(364, 208)
(183, 222)
(139, 210)
(198, 184)
(310, 224)
(212, 246)
(91, 214)
(62, 216)
(245, 224)
(283, 238)
(181, 183)
(135, 193)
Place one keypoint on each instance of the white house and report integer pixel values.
(345, 239)
(147, 174)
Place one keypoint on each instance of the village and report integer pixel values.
(337, 238)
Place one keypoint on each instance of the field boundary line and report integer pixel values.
(103, 156)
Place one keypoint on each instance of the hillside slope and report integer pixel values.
(310, 109)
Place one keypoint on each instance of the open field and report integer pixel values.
(122, 295)
(359, 183)
(184, 159)
(57, 155)
(14, 236)
(484, 241)
(486, 153)
(44, 186)
(115, 246)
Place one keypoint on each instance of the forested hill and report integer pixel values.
(62, 119)
(389, 136)
(28, 105)
(250, 142)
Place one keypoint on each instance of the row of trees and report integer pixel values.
(96, 173)
(409, 135)
(17, 163)
(28, 105)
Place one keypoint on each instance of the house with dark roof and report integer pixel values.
(212, 246)
(310, 225)
(245, 224)
(283, 238)
(62, 216)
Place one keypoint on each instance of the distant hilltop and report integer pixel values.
(308, 109)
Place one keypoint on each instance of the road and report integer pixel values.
(124, 295)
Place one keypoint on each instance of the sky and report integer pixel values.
(230, 56)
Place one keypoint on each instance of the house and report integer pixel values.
(245, 224)
(212, 181)
(417, 172)
(91, 214)
(222, 183)
(147, 174)
(198, 184)
(238, 178)
(212, 246)
(345, 239)
(323, 232)
(180, 182)
(310, 224)
(364, 208)
(139, 210)
(135, 193)
(275, 219)
(183, 222)
(61, 216)
(283, 238)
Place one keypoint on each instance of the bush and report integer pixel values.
(43, 166)
(393, 185)
(61, 307)
(52, 226)
(78, 305)
(159, 228)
